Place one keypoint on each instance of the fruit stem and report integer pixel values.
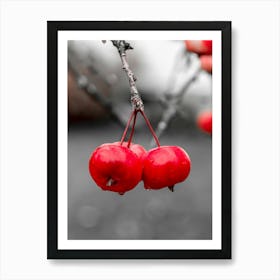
(150, 127)
(132, 130)
(127, 126)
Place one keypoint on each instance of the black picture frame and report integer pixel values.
(52, 165)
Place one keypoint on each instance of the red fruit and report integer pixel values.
(208, 46)
(204, 122)
(115, 168)
(136, 148)
(206, 62)
(165, 166)
(199, 46)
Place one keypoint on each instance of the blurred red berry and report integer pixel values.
(208, 46)
(206, 62)
(204, 122)
(199, 46)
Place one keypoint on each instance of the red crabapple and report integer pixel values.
(206, 62)
(204, 122)
(115, 168)
(136, 148)
(199, 46)
(165, 166)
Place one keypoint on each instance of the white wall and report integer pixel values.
(255, 139)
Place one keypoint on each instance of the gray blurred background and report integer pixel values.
(98, 106)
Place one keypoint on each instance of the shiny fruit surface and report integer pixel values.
(115, 168)
(165, 166)
(136, 148)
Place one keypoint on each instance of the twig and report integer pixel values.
(172, 101)
(136, 101)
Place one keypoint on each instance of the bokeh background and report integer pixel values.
(175, 90)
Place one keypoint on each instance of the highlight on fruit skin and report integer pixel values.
(115, 168)
(204, 121)
(138, 149)
(165, 166)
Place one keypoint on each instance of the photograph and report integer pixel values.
(138, 169)
(139, 141)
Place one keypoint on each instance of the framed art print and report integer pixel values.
(139, 140)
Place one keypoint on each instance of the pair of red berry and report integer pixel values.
(120, 166)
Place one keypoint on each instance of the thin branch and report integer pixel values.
(172, 101)
(136, 101)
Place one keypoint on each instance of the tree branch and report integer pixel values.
(136, 101)
(171, 101)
